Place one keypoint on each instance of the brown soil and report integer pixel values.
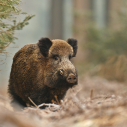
(95, 102)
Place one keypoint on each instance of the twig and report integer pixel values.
(53, 105)
(91, 94)
(5, 47)
(33, 102)
(57, 100)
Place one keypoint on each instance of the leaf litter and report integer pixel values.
(94, 102)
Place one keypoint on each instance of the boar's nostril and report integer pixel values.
(71, 78)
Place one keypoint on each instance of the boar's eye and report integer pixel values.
(55, 57)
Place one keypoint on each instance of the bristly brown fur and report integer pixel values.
(36, 71)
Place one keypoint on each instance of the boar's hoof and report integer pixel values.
(71, 78)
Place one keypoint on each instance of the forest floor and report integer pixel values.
(94, 102)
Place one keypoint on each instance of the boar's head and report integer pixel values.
(59, 70)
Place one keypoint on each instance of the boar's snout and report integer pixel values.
(71, 78)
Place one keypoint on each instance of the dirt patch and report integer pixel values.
(95, 102)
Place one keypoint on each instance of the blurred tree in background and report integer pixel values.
(9, 12)
(104, 43)
(105, 48)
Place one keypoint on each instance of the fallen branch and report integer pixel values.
(33, 102)
(44, 104)
(49, 105)
(91, 94)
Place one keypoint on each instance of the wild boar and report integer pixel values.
(43, 71)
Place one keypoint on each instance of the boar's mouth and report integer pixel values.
(64, 84)
(59, 79)
(61, 82)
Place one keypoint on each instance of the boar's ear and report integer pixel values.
(73, 43)
(44, 44)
